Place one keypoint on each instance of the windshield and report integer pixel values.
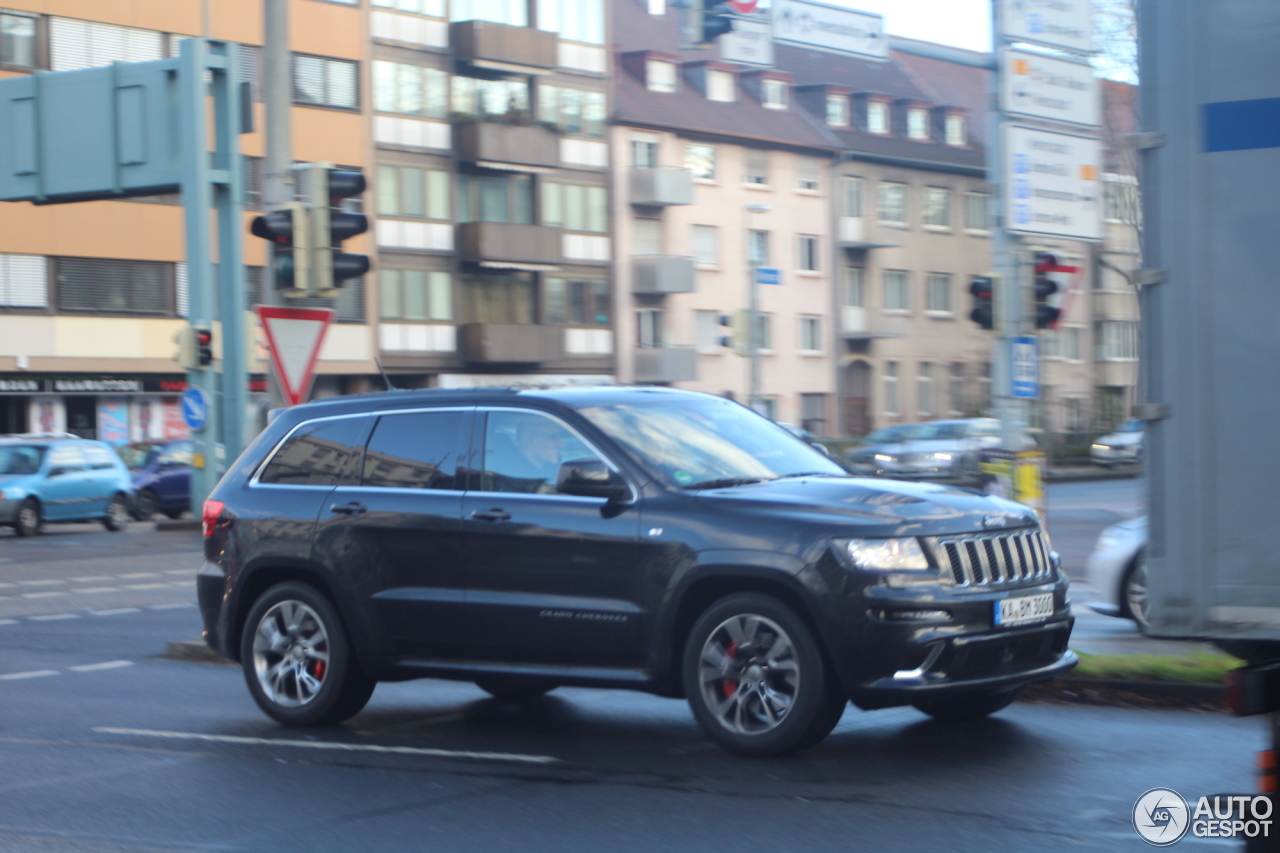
(889, 435)
(20, 459)
(1130, 425)
(136, 456)
(691, 442)
(933, 432)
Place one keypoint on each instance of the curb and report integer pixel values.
(1116, 692)
(1067, 475)
(185, 524)
(195, 651)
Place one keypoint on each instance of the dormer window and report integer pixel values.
(956, 131)
(660, 76)
(837, 111)
(720, 86)
(877, 117)
(773, 94)
(917, 123)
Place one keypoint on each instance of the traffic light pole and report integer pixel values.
(277, 185)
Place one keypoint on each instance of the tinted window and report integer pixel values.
(315, 455)
(178, 453)
(523, 452)
(415, 450)
(137, 455)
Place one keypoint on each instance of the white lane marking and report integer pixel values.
(116, 612)
(94, 579)
(184, 584)
(346, 747)
(94, 667)
(42, 583)
(7, 560)
(141, 575)
(50, 617)
(145, 586)
(8, 621)
(170, 606)
(180, 572)
(38, 673)
(50, 594)
(6, 585)
(89, 590)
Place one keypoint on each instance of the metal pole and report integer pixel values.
(753, 309)
(277, 95)
(228, 200)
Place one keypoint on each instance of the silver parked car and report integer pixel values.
(933, 449)
(1117, 570)
(1119, 447)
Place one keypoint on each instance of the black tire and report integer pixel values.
(1135, 576)
(343, 689)
(28, 521)
(970, 706)
(117, 517)
(509, 689)
(145, 505)
(813, 693)
(174, 513)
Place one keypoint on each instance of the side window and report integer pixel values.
(99, 457)
(66, 458)
(177, 454)
(415, 450)
(315, 455)
(523, 452)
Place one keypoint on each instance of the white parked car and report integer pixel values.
(1117, 570)
(1119, 447)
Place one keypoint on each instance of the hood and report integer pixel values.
(870, 507)
(1121, 439)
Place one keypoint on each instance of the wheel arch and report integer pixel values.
(1122, 593)
(263, 577)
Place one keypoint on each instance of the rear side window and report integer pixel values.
(99, 457)
(315, 455)
(415, 450)
(65, 458)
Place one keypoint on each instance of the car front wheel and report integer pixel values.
(1134, 597)
(29, 521)
(298, 661)
(117, 517)
(145, 505)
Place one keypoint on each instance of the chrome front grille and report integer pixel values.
(991, 558)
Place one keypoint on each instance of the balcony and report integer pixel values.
(507, 146)
(507, 245)
(1115, 374)
(661, 186)
(502, 47)
(666, 364)
(510, 343)
(659, 274)
(853, 235)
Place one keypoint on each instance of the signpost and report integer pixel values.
(768, 275)
(1054, 183)
(195, 409)
(1024, 358)
(294, 338)
(829, 28)
(1041, 87)
(1062, 24)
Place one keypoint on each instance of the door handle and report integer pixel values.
(353, 508)
(494, 514)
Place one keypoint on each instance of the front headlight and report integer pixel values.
(886, 555)
(880, 457)
(940, 457)
(1100, 447)
(11, 494)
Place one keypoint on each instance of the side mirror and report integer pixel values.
(821, 448)
(590, 478)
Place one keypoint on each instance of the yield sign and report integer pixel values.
(294, 336)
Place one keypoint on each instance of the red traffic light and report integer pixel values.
(1046, 262)
(204, 337)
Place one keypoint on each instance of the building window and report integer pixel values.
(1122, 201)
(767, 406)
(701, 161)
(407, 191)
(917, 123)
(937, 207)
(574, 207)
(572, 110)
(892, 401)
(837, 110)
(807, 169)
(415, 295)
(924, 388)
(74, 43)
(17, 40)
(495, 198)
(757, 167)
(706, 245)
(434, 8)
(578, 302)
(956, 383)
(811, 334)
(957, 132)
(501, 298)
(896, 297)
(322, 82)
(24, 281)
(720, 86)
(773, 94)
(938, 292)
(707, 331)
(893, 202)
(877, 117)
(644, 150)
(490, 100)
(660, 75)
(807, 253)
(410, 89)
(647, 237)
(649, 327)
(851, 197)
(813, 413)
(124, 287)
(1116, 339)
(977, 211)
(758, 248)
(513, 12)
(855, 293)
(574, 20)
(763, 331)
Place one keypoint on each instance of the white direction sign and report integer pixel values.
(1052, 184)
(1064, 24)
(294, 336)
(830, 28)
(750, 42)
(1042, 87)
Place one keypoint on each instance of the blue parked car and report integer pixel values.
(161, 476)
(56, 478)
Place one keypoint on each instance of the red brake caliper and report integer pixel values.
(729, 687)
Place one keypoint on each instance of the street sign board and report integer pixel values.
(1039, 86)
(1053, 183)
(195, 408)
(1063, 24)
(830, 28)
(768, 275)
(1024, 367)
(294, 337)
(750, 42)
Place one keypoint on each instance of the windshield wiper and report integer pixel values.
(811, 474)
(724, 483)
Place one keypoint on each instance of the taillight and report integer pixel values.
(209, 516)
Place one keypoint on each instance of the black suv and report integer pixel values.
(649, 538)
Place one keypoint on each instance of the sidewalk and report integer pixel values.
(1107, 635)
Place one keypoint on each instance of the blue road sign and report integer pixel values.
(1024, 366)
(195, 408)
(768, 275)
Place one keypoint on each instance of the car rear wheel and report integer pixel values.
(29, 521)
(145, 505)
(117, 517)
(513, 689)
(1134, 601)
(756, 678)
(970, 706)
(298, 661)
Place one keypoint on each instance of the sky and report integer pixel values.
(959, 23)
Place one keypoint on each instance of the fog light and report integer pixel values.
(915, 615)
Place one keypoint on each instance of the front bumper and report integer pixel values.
(1113, 455)
(9, 510)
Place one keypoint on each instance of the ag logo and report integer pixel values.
(989, 521)
(1161, 817)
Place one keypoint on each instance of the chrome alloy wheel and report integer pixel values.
(118, 512)
(1136, 592)
(750, 675)
(28, 517)
(291, 654)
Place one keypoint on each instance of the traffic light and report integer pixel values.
(983, 288)
(331, 225)
(740, 326)
(185, 338)
(1046, 314)
(289, 230)
(708, 21)
(204, 346)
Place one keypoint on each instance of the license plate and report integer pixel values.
(1031, 608)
